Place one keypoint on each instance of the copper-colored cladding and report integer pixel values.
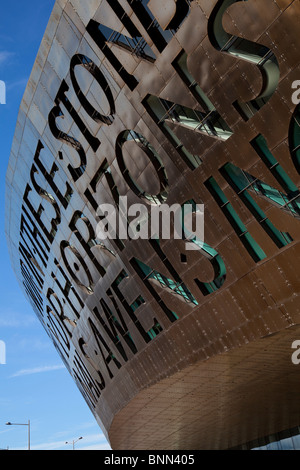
(217, 371)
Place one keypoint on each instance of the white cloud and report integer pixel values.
(10, 319)
(97, 447)
(37, 370)
(89, 442)
(22, 83)
(92, 442)
(5, 56)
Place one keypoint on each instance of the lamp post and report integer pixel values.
(73, 442)
(22, 424)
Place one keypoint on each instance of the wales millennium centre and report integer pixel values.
(174, 342)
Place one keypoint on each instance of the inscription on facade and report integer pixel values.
(81, 263)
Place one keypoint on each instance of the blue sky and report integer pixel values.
(34, 384)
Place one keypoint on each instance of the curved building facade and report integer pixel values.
(174, 343)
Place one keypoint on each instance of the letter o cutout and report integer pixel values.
(141, 141)
(91, 67)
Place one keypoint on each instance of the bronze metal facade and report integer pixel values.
(166, 102)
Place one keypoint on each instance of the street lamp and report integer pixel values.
(22, 424)
(73, 442)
